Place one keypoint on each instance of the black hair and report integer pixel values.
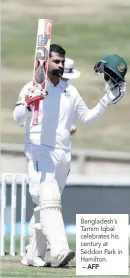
(57, 49)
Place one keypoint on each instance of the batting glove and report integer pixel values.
(35, 93)
(113, 93)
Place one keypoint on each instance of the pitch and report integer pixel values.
(11, 266)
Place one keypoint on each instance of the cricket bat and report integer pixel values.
(41, 62)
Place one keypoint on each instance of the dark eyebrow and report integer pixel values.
(58, 60)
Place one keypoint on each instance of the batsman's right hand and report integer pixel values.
(35, 93)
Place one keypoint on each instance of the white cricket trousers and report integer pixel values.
(48, 169)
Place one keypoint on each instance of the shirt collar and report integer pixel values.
(62, 84)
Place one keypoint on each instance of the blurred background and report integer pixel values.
(88, 30)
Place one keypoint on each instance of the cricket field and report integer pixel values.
(11, 267)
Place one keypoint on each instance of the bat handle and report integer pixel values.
(36, 113)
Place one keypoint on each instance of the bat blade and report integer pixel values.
(41, 59)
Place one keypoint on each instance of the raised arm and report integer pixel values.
(87, 116)
(114, 68)
(22, 111)
(28, 94)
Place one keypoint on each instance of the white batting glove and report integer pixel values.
(33, 94)
(113, 93)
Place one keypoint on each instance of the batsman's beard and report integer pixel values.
(57, 72)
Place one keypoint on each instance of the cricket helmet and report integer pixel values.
(113, 66)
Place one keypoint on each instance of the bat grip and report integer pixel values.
(36, 113)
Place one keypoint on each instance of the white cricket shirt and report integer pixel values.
(56, 115)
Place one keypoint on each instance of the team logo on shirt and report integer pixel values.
(67, 93)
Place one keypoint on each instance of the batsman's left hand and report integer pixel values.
(113, 93)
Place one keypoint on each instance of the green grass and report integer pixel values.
(86, 36)
(17, 243)
(11, 267)
(85, 42)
